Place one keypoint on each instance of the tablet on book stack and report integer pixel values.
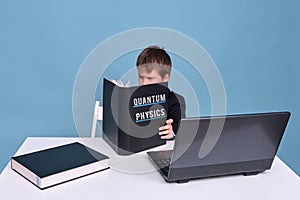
(60, 164)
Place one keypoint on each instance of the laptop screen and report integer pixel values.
(228, 139)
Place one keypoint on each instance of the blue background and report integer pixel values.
(255, 44)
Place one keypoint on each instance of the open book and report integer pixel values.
(133, 115)
(120, 83)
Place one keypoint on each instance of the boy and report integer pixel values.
(154, 66)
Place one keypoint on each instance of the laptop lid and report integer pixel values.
(212, 146)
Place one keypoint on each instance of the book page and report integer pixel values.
(120, 83)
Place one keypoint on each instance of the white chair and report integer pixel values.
(98, 116)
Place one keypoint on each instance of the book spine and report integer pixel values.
(123, 122)
(111, 114)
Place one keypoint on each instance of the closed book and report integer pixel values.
(60, 164)
(132, 116)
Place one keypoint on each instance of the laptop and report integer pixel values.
(222, 145)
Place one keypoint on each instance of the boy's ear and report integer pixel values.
(166, 78)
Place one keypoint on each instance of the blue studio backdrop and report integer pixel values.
(255, 45)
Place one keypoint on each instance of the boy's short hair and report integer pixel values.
(155, 57)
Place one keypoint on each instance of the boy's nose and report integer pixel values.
(146, 82)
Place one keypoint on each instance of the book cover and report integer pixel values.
(133, 115)
(60, 164)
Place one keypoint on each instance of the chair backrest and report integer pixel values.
(98, 116)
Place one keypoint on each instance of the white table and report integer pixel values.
(143, 182)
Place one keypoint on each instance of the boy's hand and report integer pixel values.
(166, 132)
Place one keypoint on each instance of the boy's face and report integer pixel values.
(146, 78)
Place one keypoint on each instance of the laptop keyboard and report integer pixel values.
(164, 165)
